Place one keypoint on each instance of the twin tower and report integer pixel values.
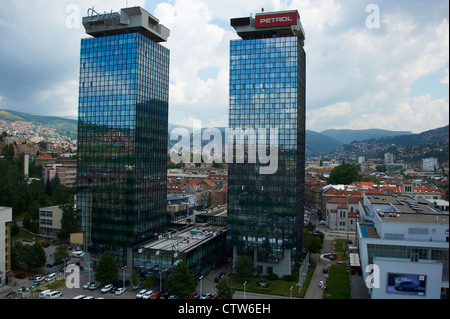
(123, 136)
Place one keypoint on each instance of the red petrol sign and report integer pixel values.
(276, 20)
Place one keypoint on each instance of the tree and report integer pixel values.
(345, 173)
(8, 152)
(60, 255)
(68, 222)
(224, 288)
(134, 278)
(106, 271)
(182, 282)
(244, 266)
(148, 281)
(33, 256)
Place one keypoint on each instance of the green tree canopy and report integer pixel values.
(33, 256)
(182, 282)
(68, 221)
(60, 255)
(244, 266)
(106, 271)
(345, 173)
(224, 288)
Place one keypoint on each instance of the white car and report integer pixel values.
(107, 288)
(120, 291)
(322, 222)
(141, 293)
(147, 295)
(86, 286)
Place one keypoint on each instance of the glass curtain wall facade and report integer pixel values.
(267, 90)
(122, 142)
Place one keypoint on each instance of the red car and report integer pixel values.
(156, 295)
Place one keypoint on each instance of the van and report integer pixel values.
(53, 295)
(43, 294)
(50, 277)
(78, 254)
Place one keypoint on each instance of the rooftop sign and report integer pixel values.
(94, 16)
(276, 20)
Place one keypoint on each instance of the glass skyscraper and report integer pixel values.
(267, 91)
(122, 132)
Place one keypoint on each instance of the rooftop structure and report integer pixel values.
(269, 25)
(129, 20)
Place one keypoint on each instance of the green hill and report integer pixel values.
(348, 136)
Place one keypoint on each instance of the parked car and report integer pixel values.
(78, 254)
(141, 293)
(35, 276)
(39, 279)
(156, 295)
(35, 284)
(86, 286)
(147, 294)
(322, 222)
(165, 295)
(120, 291)
(106, 288)
(53, 295)
(322, 285)
(93, 286)
(138, 286)
(50, 277)
(20, 276)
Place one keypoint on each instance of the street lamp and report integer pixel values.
(65, 259)
(245, 283)
(123, 268)
(201, 285)
(90, 266)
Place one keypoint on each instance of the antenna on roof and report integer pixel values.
(262, 9)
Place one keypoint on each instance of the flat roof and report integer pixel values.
(186, 240)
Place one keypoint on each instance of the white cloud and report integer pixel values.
(196, 44)
(356, 77)
(445, 79)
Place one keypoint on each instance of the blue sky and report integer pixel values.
(392, 76)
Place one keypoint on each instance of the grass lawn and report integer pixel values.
(273, 287)
(338, 283)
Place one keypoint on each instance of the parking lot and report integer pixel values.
(86, 275)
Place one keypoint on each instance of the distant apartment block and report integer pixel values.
(50, 220)
(5, 243)
(430, 164)
(388, 158)
(66, 173)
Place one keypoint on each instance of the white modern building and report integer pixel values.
(430, 164)
(406, 241)
(5, 243)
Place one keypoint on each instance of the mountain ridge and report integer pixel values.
(317, 143)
